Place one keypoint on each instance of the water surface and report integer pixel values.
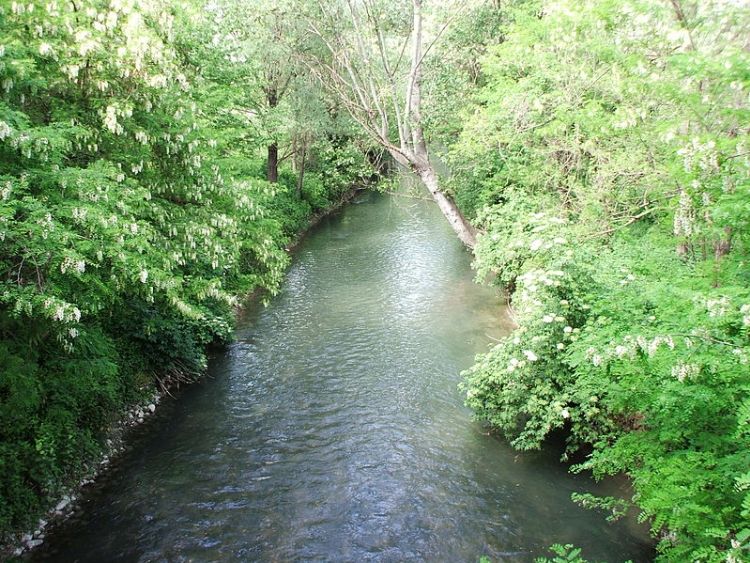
(332, 430)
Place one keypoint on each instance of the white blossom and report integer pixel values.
(530, 355)
(745, 311)
(5, 130)
(684, 217)
(717, 307)
(110, 120)
(141, 137)
(682, 371)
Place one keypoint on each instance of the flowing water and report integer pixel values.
(333, 430)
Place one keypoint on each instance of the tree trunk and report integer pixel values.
(723, 246)
(273, 95)
(422, 167)
(415, 149)
(466, 232)
(273, 163)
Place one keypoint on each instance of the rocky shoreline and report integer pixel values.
(66, 504)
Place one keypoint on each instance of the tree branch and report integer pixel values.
(630, 221)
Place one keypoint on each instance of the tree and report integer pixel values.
(124, 226)
(382, 91)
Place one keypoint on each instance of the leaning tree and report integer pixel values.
(371, 56)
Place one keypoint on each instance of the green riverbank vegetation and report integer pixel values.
(607, 158)
(136, 211)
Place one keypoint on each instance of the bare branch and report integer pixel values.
(627, 223)
(680, 13)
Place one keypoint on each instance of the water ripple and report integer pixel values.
(333, 430)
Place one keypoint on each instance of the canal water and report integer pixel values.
(333, 430)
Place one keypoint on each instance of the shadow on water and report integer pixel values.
(332, 430)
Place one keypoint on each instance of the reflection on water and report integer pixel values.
(332, 430)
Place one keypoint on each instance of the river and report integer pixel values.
(333, 430)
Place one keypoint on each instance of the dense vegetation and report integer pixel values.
(156, 158)
(135, 214)
(607, 160)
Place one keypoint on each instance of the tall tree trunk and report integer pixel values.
(466, 232)
(273, 96)
(273, 163)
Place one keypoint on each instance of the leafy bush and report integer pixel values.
(631, 352)
(56, 405)
(522, 386)
(315, 192)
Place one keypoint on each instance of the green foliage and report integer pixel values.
(455, 71)
(605, 163)
(338, 166)
(53, 413)
(564, 554)
(616, 507)
(292, 211)
(673, 374)
(314, 192)
(523, 380)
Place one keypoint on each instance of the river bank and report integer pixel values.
(64, 505)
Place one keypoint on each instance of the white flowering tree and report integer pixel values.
(124, 235)
(111, 169)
